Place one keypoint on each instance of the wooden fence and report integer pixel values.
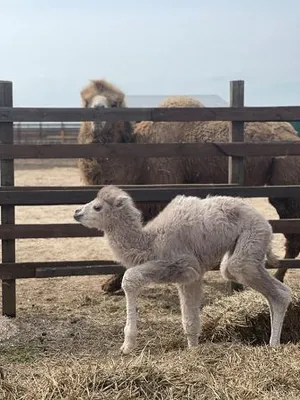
(11, 196)
(45, 133)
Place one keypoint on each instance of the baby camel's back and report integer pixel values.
(190, 210)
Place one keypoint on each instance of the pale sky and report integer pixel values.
(50, 49)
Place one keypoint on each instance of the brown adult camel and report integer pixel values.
(258, 170)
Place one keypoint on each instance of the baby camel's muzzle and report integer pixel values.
(78, 214)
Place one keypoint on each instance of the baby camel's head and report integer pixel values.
(111, 205)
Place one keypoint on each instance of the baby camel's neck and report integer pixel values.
(130, 244)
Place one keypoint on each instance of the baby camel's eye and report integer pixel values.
(97, 208)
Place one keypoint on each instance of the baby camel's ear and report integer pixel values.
(121, 200)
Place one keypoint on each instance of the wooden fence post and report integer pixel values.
(40, 132)
(7, 211)
(62, 133)
(236, 134)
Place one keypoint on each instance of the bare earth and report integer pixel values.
(64, 343)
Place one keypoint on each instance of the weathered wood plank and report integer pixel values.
(94, 267)
(130, 150)
(52, 272)
(27, 114)
(127, 187)
(37, 270)
(7, 211)
(139, 194)
(42, 231)
(57, 264)
(236, 134)
(288, 263)
(285, 225)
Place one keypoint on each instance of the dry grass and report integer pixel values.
(66, 346)
(210, 372)
(64, 343)
(245, 318)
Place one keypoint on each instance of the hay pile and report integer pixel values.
(244, 317)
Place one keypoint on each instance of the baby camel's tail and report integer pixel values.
(272, 259)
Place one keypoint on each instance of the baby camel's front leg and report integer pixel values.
(183, 271)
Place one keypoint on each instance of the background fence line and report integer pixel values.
(236, 150)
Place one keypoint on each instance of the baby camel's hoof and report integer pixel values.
(113, 284)
(127, 348)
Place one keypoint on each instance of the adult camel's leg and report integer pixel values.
(113, 284)
(286, 171)
(287, 208)
(292, 249)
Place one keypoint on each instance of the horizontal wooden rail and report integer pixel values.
(42, 231)
(26, 114)
(126, 187)
(51, 196)
(77, 268)
(58, 268)
(135, 150)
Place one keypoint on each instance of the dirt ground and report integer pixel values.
(64, 343)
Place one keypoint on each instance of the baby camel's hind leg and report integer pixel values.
(190, 296)
(246, 266)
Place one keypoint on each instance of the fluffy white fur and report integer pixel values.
(189, 237)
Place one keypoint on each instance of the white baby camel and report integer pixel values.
(189, 237)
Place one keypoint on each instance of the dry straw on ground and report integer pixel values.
(245, 318)
(64, 343)
(69, 333)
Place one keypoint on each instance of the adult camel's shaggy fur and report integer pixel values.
(258, 170)
(188, 238)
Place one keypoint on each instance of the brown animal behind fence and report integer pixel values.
(11, 196)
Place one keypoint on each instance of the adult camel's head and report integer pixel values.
(101, 94)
